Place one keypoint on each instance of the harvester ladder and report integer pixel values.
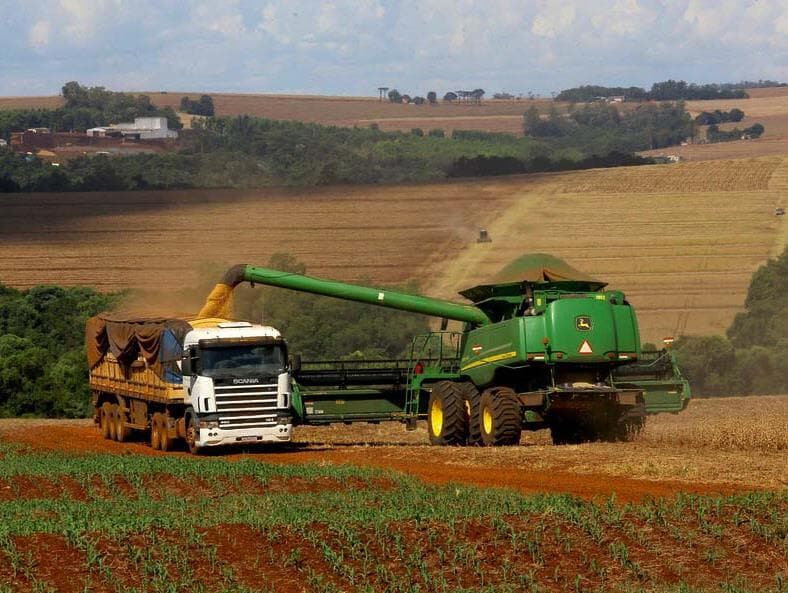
(446, 359)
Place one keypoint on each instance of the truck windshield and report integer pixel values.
(242, 361)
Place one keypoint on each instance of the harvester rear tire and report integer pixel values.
(471, 398)
(105, 420)
(447, 422)
(155, 431)
(500, 417)
(122, 432)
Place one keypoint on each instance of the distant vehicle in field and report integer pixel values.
(779, 211)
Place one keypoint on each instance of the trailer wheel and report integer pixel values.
(500, 417)
(122, 432)
(155, 431)
(471, 398)
(113, 411)
(446, 419)
(165, 442)
(191, 436)
(105, 420)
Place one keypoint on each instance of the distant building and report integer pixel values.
(616, 99)
(3, 142)
(143, 128)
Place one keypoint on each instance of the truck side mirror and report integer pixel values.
(295, 363)
(186, 365)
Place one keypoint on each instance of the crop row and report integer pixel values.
(347, 529)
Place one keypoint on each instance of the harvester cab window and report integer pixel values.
(244, 360)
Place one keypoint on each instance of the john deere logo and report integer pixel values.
(583, 323)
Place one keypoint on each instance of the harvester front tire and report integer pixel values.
(447, 422)
(500, 417)
(105, 420)
(471, 398)
(155, 431)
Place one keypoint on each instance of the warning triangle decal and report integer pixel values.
(585, 348)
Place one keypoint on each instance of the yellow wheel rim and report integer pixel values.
(487, 420)
(468, 408)
(436, 417)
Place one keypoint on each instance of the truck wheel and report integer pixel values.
(500, 417)
(113, 411)
(192, 437)
(122, 432)
(105, 420)
(446, 419)
(471, 398)
(155, 431)
(165, 442)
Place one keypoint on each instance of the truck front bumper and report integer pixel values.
(214, 437)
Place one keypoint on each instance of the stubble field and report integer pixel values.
(681, 240)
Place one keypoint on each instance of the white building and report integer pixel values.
(3, 142)
(143, 128)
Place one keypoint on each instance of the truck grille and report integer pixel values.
(246, 406)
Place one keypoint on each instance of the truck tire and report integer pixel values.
(105, 420)
(113, 411)
(471, 398)
(191, 436)
(122, 432)
(155, 431)
(500, 417)
(165, 442)
(446, 419)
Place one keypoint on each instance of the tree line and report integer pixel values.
(752, 357)
(42, 354)
(251, 152)
(85, 107)
(669, 90)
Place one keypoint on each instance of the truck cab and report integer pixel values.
(236, 384)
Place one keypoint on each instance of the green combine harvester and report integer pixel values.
(543, 346)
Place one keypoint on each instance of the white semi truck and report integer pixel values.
(208, 381)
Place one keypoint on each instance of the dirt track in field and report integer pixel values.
(590, 471)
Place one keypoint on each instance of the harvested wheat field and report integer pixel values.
(681, 240)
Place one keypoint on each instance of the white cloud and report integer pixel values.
(39, 34)
(709, 19)
(328, 23)
(84, 18)
(554, 19)
(622, 17)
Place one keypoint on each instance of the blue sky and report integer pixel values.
(350, 47)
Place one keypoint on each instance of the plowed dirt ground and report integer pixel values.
(681, 453)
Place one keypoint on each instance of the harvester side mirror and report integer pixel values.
(444, 324)
(295, 363)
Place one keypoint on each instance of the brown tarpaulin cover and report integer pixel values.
(126, 338)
